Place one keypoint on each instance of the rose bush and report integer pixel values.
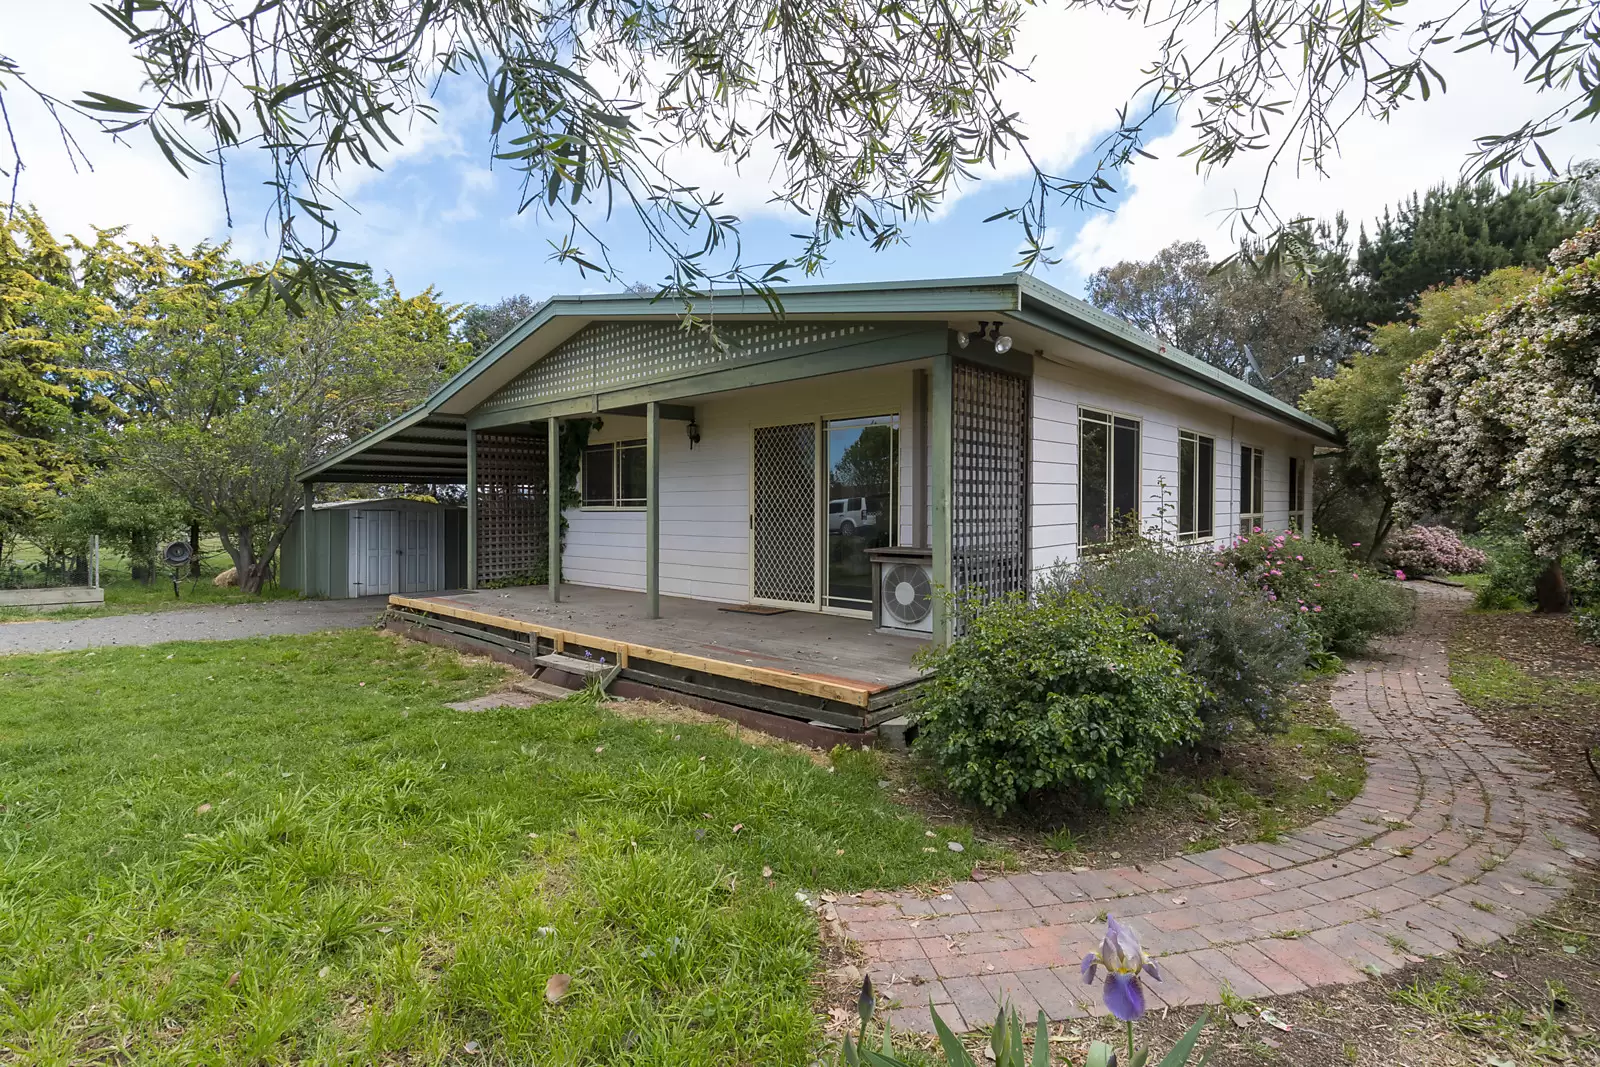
(1345, 603)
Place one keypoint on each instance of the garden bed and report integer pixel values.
(1257, 787)
(1533, 998)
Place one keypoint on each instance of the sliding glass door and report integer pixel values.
(862, 480)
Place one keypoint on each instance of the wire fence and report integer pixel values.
(26, 564)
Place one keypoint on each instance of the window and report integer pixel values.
(614, 475)
(1108, 475)
(1252, 511)
(1197, 476)
(1298, 473)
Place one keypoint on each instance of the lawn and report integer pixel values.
(290, 850)
(125, 596)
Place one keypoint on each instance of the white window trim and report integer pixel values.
(616, 474)
(1195, 537)
(1299, 483)
(1108, 417)
(1251, 521)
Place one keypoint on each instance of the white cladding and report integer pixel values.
(705, 493)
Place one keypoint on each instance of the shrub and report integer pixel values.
(1066, 692)
(1248, 652)
(1587, 622)
(1344, 603)
(1433, 550)
(1511, 571)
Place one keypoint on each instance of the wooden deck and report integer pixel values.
(804, 665)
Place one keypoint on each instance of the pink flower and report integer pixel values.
(1317, 607)
(1400, 574)
(1302, 607)
(1299, 559)
(1355, 544)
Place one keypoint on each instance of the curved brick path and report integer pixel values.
(1456, 838)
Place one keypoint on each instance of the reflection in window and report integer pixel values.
(614, 475)
(1197, 471)
(1108, 475)
(1252, 468)
(863, 491)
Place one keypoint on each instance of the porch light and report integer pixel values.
(694, 434)
(961, 340)
(1002, 344)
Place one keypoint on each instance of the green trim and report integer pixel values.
(862, 355)
(652, 511)
(941, 409)
(1015, 297)
(308, 500)
(1076, 320)
(472, 508)
(553, 505)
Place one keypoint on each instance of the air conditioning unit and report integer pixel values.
(902, 588)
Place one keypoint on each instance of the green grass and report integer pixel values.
(1485, 680)
(128, 597)
(288, 850)
(124, 596)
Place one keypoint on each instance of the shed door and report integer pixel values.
(416, 551)
(377, 550)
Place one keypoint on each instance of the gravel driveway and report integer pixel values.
(214, 622)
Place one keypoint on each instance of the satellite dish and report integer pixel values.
(177, 554)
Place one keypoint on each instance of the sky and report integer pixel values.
(441, 213)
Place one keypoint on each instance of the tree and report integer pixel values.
(1505, 410)
(1360, 397)
(233, 395)
(128, 513)
(1227, 317)
(869, 113)
(1467, 230)
(484, 324)
(49, 403)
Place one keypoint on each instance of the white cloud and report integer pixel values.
(66, 49)
(1377, 164)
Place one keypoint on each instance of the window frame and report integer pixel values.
(1252, 520)
(1109, 419)
(1299, 477)
(615, 450)
(1205, 477)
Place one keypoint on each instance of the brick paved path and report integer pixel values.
(1456, 838)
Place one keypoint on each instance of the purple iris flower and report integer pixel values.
(1125, 963)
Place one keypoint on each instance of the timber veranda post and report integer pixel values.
(652, 510)
(553, 493)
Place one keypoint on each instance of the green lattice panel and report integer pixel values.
(615, 355)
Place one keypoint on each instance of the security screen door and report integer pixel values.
(783, 514)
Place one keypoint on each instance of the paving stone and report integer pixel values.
(1449, 816)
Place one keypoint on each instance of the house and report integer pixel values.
(760, 512)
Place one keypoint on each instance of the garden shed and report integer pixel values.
(373, 547)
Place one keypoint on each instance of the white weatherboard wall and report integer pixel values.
(1059, 391)
(705, 493)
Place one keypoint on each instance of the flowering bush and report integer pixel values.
(1126, 965)
(1504, 409)
(1344, 603)
(1065, 692)
(1433, 550)
(1246, 652)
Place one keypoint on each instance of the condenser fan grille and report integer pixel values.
(907, 593)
